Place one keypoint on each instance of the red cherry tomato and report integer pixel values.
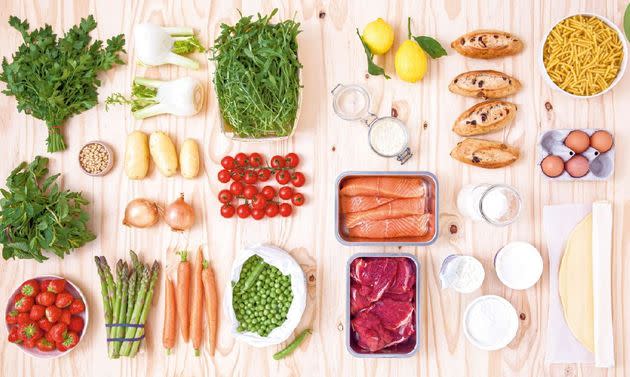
(250, 177)
(259, 201)
(298, 179)
(269, 192)
(237, 174)
(285, 210)
(283, 177)
(225, 196)
(277, 162)
(272, 210)
(228, 162)
(241, 159)
(255, 160)
(264, 174)
(227, 210)
(243, 211)
(236, 188)
(286, 193)
(250, 191)
(297, 199)
(224, 176)
(292, 160)
(258, 214)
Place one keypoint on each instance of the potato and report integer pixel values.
(163, 153)
(137, 155)
(189, 159)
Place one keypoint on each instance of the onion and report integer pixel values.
(179, 215)
(141, 213)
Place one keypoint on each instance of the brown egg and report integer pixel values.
(552, 166)
(602, 141)
(577, 166)
(577, 141)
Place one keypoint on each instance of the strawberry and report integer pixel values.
(24, 304)
(37, 312)
(56, 286)
(44, 345)
(29, 331)
(53, 314)
(76, 324)
(14, 337)
(65, 316)
(63, 300)
(45, 298)
(11, 317)
(23, 318)
(70, 339)
(29, 343)
(77, 306)
(57, 332)
(45, 324)
(30, 288)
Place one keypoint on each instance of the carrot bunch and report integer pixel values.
(184, 304)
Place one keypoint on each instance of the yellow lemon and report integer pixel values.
(410, 61)
(379, 36)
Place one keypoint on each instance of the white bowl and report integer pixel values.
(74, 291)
(622, 67)
(509, 328)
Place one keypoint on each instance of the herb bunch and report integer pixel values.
(36, 215)
(53, 79)
(257, 76)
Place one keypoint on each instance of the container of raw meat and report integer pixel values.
(383, 313)
(386, 208)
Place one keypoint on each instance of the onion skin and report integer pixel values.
(179, 215)
(141, 213)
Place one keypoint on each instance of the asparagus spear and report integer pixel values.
(116, 310)
(130, 332)
(107, 305)
(131, 297)
(111, 290)
(122, 314)
(155, 270)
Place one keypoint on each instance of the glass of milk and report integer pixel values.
(498, 205)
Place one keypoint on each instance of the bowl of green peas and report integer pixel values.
(266, 297)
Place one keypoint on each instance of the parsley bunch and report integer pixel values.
(53, 79)
(35, 215)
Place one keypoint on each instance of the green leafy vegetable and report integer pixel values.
(373, 69)
(36, 215)
(626, 22)
(53, 79)
(257, 76)
(430, 45)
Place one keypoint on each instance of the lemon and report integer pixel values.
(410, 61)
(379, 36)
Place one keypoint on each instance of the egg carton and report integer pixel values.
(601, 165)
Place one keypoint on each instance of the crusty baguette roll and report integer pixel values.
(484, 84)
(487, 44)
(485, 153)
(484, 118)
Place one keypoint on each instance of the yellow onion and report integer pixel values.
(141, 213)
(179, 215)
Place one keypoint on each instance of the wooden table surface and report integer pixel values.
(331, 54)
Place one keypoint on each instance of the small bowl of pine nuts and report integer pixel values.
(96, 158)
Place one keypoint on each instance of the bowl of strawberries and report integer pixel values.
(46, 316)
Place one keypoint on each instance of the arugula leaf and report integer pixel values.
(373, 69)
(35, 215)
(430, 45)
(53, 79)
(626, 22)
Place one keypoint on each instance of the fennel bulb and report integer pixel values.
(156, 45)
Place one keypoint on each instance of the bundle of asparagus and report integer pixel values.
(126, 302)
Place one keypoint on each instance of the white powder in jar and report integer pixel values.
(463, 273)
(518, 265)
(388, 136)
(490, 322)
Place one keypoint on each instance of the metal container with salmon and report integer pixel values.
(383, 305)
(386, 208)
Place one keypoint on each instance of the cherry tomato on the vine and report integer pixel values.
(224, 176)
(283, 177)
(297, 179)
(237, 174)
(243, 211)
(255, 160)
(228, 162)
(236, 188)
(241, 159)
(277, 162)
(225, 196)
(227, 210)
(258, 214)
(285, 193)
(264, 174)
(272, 210)
(285, 210)
(250, 177)
(297, 199)
(259, 201)
(292, 160)
(268, 192)
(250, 191)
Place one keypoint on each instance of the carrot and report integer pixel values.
(210, 293)
(169, 333)
(196, 316)
(183, 295)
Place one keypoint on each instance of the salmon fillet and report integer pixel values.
(410, 226)
(351, 204)
(392, 210)
(387, 187)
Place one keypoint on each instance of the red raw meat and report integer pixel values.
(405, 277)
(404, 297)
(392, 314)
(370, 333)
(357, 300)
(375, 277)
(402, 334)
